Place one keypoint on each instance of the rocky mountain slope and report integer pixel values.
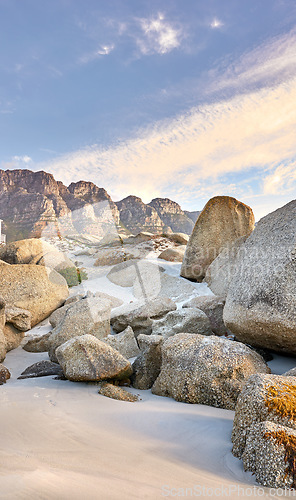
(30, 201)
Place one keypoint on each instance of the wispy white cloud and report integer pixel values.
(216, 23)
(158, 35)
(194, 152)
(22, 159)
(103, 50)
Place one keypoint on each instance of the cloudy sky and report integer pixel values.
(181, 99)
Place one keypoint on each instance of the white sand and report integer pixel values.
(62, 440)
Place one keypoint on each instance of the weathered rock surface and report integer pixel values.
(90, 315)
(86, 358)
(260, 308)
(41, 369)
(118, 393)
(172, 216)
(128, 273)
(213, 307)
(173, 254)
(38, 343)
(221, 222)
(270, 455)
(4, 374)
(264, 397)
(205, 370)
(19, 318)
(290, 373)
(125, 343)
(13, 337)
(150, 286)
(221, 271)
(182, 321)
(139, 315)
(146, 367)
(34, 288)
(180, 238)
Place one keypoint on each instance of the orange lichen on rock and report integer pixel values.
(282, 400)
(289, 443)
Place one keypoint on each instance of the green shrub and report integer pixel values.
(73, 275)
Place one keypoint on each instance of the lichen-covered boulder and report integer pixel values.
(184, 320)
(264, 397)
(86, 358)
(118, 393)
(89, 315)
(221, 222)
(270, 454)
(35, 288)
(213, 307)
(206, 370)
(124, 342)
(260, 308)
(139, 315)
(146, 367)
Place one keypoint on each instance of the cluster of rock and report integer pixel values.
(30, 201)
(264, 429)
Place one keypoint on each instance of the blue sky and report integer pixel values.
(181, 99)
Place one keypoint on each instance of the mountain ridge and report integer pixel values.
(29, 201)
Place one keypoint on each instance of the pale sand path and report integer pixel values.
(62, 440)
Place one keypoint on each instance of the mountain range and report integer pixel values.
(32, 201)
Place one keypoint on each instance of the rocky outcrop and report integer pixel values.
(171, 214)
(32, 201)
(86, 358)
(260, 308)
(222, 221)
(136, 216)
(206, 370)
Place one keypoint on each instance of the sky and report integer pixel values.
(185, 99)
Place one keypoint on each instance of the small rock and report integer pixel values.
(38, 344)
(115, 392)
(41, 369)
(19, 318)
(4, 374)
(213, 307)
(182, 321)
(146, 367)
(125, 343)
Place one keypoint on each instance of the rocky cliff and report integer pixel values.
(31, 201)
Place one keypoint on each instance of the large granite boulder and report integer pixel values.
(139, 315)
(221, 222)
(270, 455)
(35, 288)
(182, 321)
(260, 308)
(86, 358)
(206, 370)
(90, 315)
(213, 307)
(221, 271)
(35, 251)
(147, 365)
(264, 397)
